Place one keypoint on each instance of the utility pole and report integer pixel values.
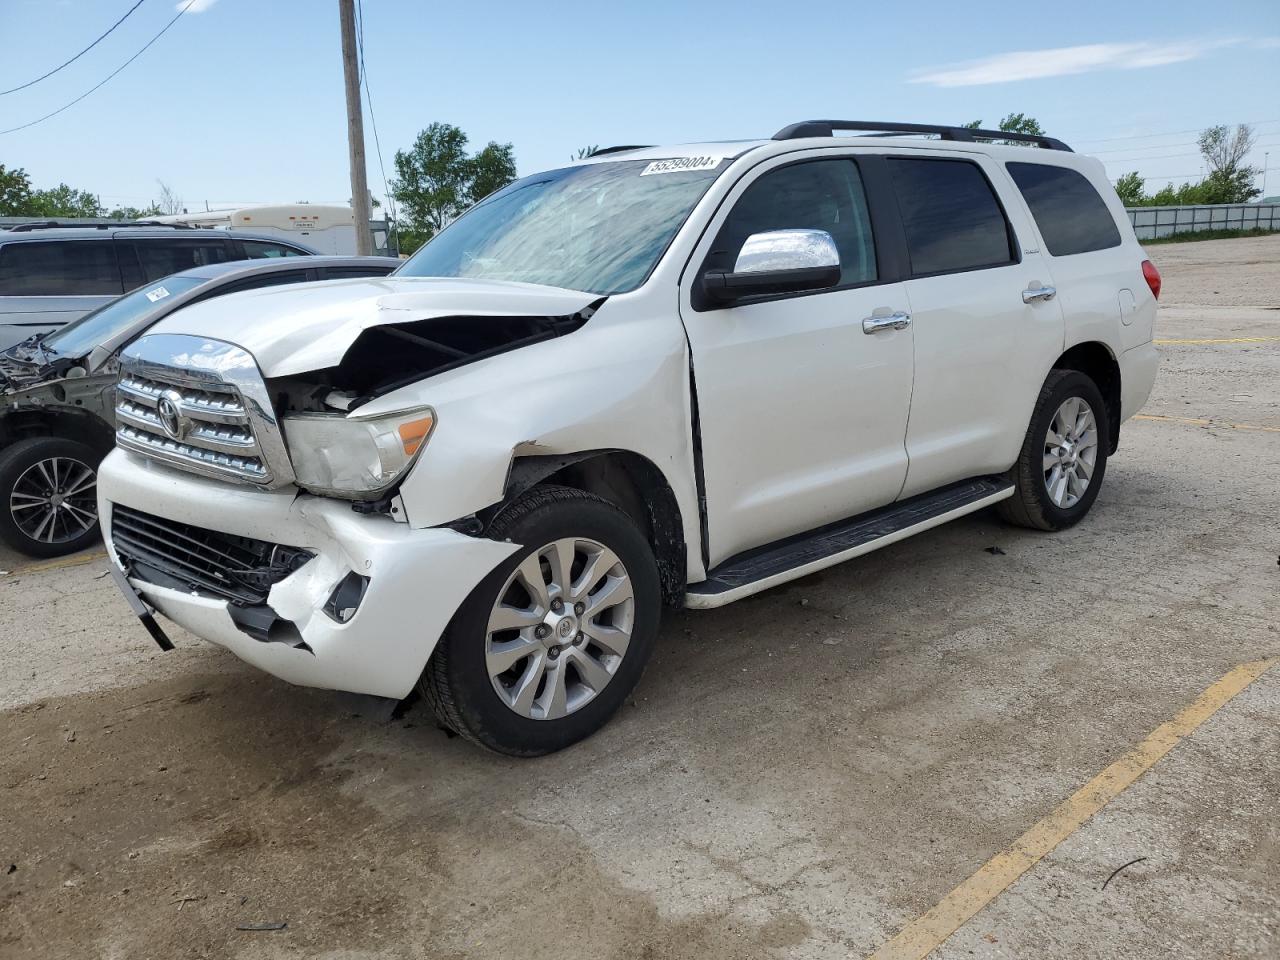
(355, 129)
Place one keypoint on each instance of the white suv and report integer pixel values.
(675, 375)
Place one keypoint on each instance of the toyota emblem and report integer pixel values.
(169, 409)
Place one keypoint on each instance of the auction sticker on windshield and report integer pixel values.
(159, 293)
(681, 165)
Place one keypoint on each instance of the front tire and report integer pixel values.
(48, 496)
(548, 646)
(1064, 455)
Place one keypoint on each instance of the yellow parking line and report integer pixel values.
(1195, 422)
(924, 934)
(1225, 340)
(73, 561)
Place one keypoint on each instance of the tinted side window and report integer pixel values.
(159, 258)
(952, 218)
(342, 273)
(276, 279)
(258, 249)
(64, 268)
(818, 195)
(1071, 216)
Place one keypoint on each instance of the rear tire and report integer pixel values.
(549, 645)
(1064, 455)
(48, 496)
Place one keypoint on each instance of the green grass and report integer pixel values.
(1211, 235)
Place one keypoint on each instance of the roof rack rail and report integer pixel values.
(618, 149)
(110, 225)
(827, 128)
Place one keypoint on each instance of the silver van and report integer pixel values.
(52, 274)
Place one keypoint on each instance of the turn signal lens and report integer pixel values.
(414, 433)
(1152, 276)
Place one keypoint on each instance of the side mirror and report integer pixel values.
(779, 261)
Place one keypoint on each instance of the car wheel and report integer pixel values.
(1064, 455)
(546, 649)
(49, 496)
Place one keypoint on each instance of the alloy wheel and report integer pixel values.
(1070, 452)
(559, 628)
(55, 500)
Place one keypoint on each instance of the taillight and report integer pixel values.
(1152, 276)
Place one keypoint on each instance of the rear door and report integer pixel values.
(1081, 237)
(47, 283)
(981, 351)
(801, 414)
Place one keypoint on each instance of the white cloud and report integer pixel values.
(197, 6)
(1060, 61)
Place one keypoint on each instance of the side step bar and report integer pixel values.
(774, 563)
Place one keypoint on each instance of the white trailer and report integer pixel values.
(326, 228)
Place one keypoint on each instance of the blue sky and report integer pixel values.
(242, 100)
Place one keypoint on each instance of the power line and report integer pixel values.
(1170, 156)
(1168, 133)
(373, 122)
(1179, 176)
(31, 83)
(48, 116)
(1169, 146)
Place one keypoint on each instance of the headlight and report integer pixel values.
(355, 457)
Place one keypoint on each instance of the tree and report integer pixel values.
(134, 213)
(1130, 189)
(169, 202)
(492, 169)
(584, 152)
(437, 179)
(1230, 180)
(1021, 123)
(63, 201)
(15, 191)
(1224, 151)
(1013, 123)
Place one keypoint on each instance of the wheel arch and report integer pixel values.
(1097, 362)
(630, 481)
(69, 424)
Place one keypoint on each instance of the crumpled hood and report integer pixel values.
(310, 326)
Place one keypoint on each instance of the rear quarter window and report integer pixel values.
(952, 218)
(1072, 217)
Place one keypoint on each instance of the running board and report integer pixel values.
(774, 563)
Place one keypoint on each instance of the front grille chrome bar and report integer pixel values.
(200, 405)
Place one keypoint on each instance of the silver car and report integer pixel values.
(57, 394)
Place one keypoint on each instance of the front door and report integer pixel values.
(802, 414)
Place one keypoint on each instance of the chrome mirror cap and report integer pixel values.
(787, 250)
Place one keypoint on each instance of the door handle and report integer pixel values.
(1038, 294)
(892, 321)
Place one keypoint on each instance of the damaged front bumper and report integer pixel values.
(342, 601)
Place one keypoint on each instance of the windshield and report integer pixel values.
(599, 228)
(77, 338)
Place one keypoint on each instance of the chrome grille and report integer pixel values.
(173, 554)
(199, 405)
